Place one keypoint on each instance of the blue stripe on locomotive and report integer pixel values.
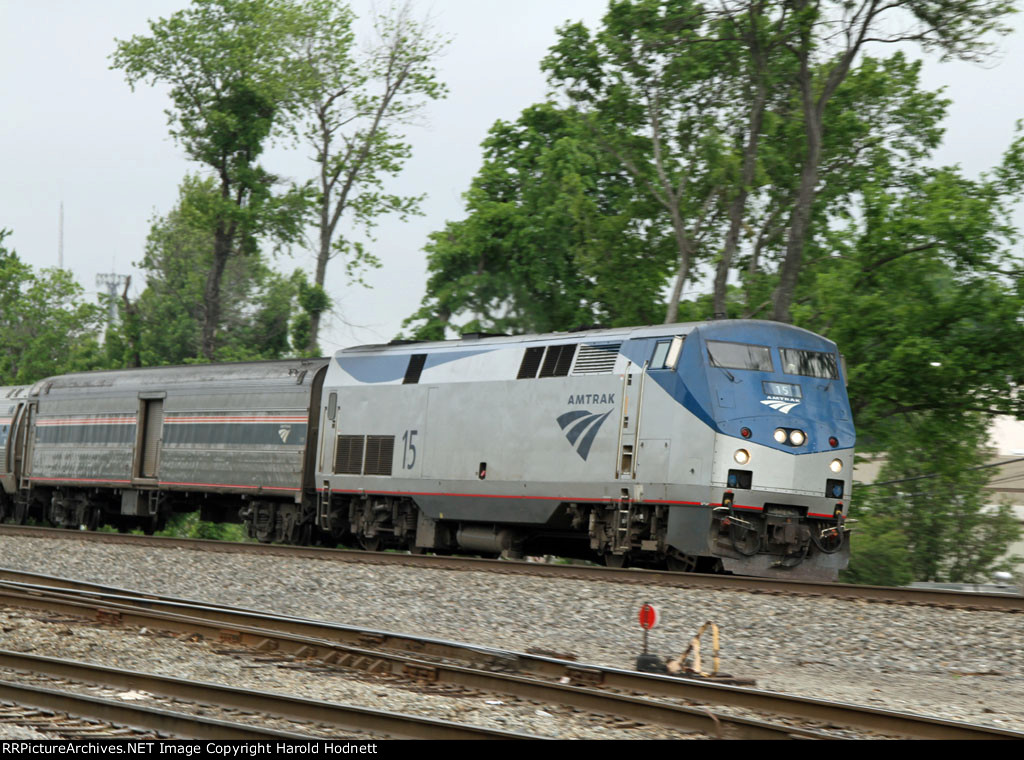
(387, 368)
(824, 409)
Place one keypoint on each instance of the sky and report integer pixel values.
(73, 132)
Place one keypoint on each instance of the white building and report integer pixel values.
(1007, 483)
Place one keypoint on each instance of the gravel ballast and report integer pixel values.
(953, 664)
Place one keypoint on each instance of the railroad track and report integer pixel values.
(892, 595)
(325, 719)
(431, 662)
(65, 714)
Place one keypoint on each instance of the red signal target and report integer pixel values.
(649, 617)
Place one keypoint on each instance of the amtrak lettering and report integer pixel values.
(592, 398)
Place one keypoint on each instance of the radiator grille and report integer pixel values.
(348, 455)
(380, 451)
(596, 359)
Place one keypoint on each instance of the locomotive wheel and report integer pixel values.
(684, 563)
(617, 561)
(370, 543)
(92, 518)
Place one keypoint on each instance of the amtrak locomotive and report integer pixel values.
(713, 446)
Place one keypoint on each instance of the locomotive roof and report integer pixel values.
(598, 334)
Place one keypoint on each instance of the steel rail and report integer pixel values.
(305, 637)
(884, 594)
(345, 717)
(141, 717)
(120, 610)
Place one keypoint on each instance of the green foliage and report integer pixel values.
(652, 87)
(351, 108)
(225, 62)
(188, 525)
(165, 325)
(45, 328)
(230, 69)
(931, 495)
(879, 555)
(313, 301)
(554, 238)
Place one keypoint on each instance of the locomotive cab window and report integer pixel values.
(809, 363)
(666, 353)
(739, 356)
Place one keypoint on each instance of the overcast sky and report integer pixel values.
(71, 130)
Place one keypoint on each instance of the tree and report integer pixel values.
(829, 38)
(554, 238)
(165, 324)
(652, 84)
(45, 327)
(228, 68)
(351, 108)
(932, 501)
(761, 87)
(922, 294)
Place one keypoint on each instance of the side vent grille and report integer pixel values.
(412, 372)
(596, 359)
(348, 457)
(380, 451)
(531, 363)
(558, 360)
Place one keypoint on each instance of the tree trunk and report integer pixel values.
(322, 257)
(684, 246)
(739, 203)
(222, 242)
(800, 220)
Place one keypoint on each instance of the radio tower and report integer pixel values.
(113, 283)
(60, 239)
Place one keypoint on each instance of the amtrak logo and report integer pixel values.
(582, 426)
(283, 432)
(780, 406)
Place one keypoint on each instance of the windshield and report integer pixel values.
(739, 356)
(809, 363)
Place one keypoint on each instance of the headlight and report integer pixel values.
(836, 465)
(742, 456)
(780, 435)
(797, 437)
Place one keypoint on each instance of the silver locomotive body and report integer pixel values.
(616, 444)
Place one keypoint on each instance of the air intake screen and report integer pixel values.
(596, 360)
(531, 362)
(348, 455)
(380, 451)
(558, 360)
(412, 372)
